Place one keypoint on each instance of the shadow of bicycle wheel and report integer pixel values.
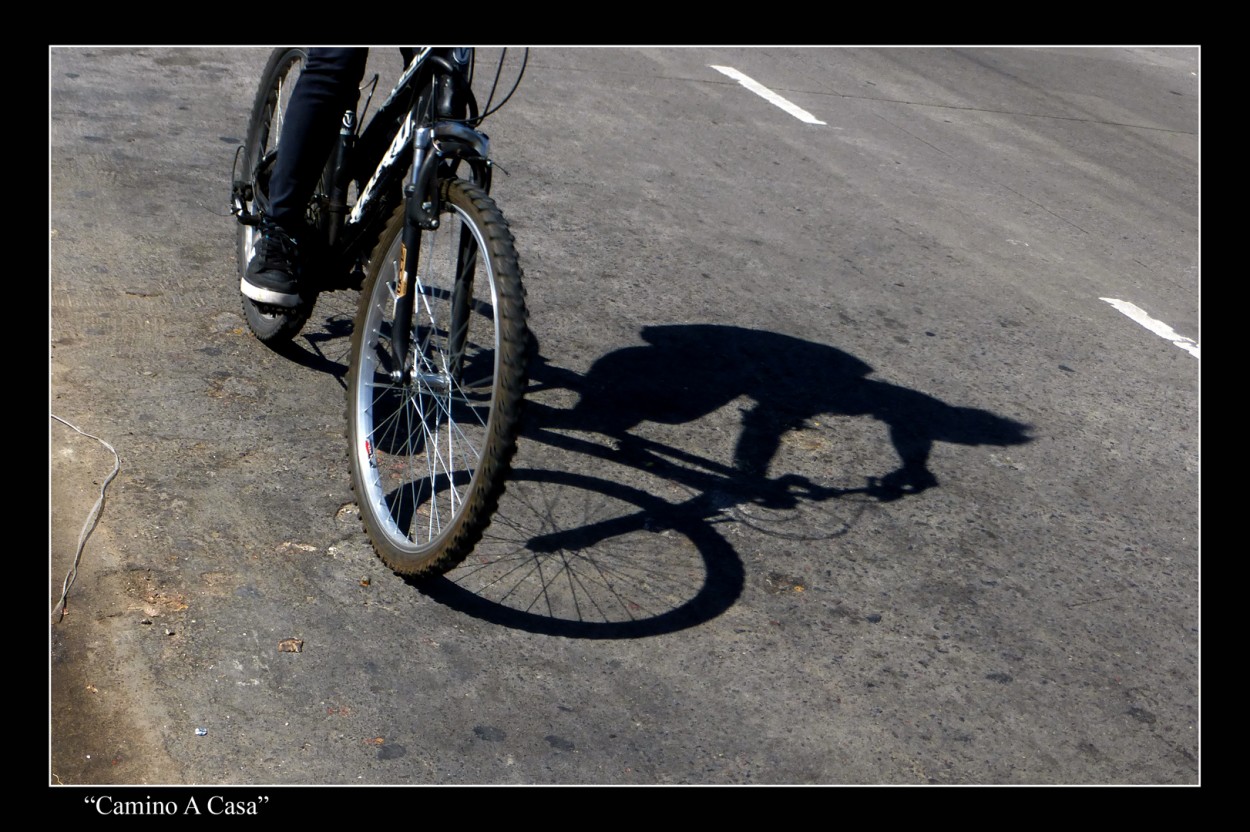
(577, 556)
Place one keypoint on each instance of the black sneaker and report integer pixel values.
(273, 274)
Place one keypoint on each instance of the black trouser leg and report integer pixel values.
(329, 85)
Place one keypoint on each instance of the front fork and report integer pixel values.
(421, 200)
(422, 208)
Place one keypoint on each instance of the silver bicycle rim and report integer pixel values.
(419, 445)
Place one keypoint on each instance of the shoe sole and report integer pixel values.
(268, 296)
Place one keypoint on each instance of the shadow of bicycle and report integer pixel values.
(324, 343)
(623, 540)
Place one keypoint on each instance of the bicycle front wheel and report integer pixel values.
(430, 449)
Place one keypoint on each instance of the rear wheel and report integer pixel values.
(430, 449)
(271, 324)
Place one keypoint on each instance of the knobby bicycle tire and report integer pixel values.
(429, 456)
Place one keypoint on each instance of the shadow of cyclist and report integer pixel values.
(682, 374)
(686, 372)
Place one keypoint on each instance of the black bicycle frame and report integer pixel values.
(427, 115)
(425, 111)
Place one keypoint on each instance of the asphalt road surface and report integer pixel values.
(845, 460)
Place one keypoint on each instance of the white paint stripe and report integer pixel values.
(768, 95)
(1157, 327)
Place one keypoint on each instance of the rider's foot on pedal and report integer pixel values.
(273, 275)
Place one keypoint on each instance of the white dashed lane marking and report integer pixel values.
(1157, 327)
(768, 95)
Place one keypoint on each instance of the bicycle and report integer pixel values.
(403, 213)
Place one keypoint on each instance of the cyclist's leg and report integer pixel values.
(329, 84)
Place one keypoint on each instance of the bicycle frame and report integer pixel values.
(408, 121)
(436, 143)
(422, 127)
(431, 137)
